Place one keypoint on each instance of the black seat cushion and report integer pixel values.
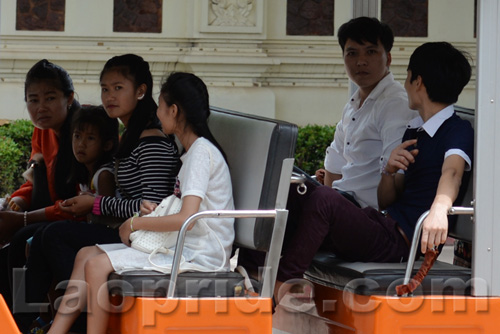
(382, 278)
(143, 283)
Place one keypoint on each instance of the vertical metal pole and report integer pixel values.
(486, 253)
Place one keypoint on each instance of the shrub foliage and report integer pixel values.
(312, 142)
(15, 150)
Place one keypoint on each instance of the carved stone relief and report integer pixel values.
(239, 13)
(407, 18)
(42, 15)
(309, 17)
(137, 15)
(232, 16)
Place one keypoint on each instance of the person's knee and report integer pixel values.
(322, 198)
(90, 266)
(325, 192)
(86, 253)
(96, 265)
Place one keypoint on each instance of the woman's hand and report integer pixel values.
(401, 157)
(16, 204)
(85, 193)
(147, 207)
(125, 230)
(78, 205)
(435, 228)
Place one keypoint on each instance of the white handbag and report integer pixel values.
(153, 241)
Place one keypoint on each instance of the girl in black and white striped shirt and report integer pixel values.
(146, 165)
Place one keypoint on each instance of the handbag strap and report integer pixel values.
(165, 251)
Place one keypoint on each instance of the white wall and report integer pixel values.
(255, 69)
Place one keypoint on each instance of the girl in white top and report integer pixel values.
(203, 184)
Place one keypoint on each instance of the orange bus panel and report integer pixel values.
(7, 323)
(337, 311)
(192, 315)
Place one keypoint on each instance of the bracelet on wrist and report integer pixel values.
(25, 218)
(132, 221)
(132, 224)
(385, 172)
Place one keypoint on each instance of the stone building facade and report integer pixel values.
(277, 58)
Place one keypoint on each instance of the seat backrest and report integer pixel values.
(462, 229)
(255, 148)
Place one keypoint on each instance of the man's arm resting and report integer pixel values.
(330, 177)
(435, 230)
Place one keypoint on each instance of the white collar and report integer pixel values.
(433, 123)
(374, 94)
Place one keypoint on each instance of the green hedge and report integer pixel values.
(312, 142)
(15, 150)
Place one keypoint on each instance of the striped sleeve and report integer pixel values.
(149, 173)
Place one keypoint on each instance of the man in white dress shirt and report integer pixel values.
(374, 118)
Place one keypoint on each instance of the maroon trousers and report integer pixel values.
(322, 219)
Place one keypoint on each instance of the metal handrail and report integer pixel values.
(455, 210)
(297, 178)
(207, 214)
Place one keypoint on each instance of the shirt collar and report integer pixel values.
(433, 123)
(379, 88)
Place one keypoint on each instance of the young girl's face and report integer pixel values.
(47, 106)
(87, 146)
(119, 96)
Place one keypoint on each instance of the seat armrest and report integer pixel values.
(207, 214)
(455, 210)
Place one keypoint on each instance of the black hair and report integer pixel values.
(56, 76)
(136, 69)
(50, 73)
(190, 94)
(107, 128)
(443, 68)
(366, 29)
